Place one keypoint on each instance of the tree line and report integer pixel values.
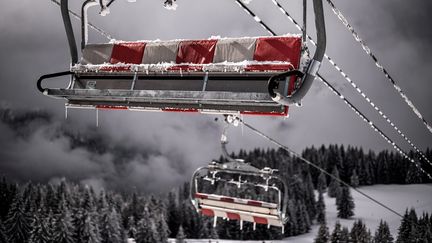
(412, 229)
(69, 212)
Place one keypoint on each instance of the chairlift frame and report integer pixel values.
(255, 92)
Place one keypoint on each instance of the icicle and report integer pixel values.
(254, 226)
(97, 117)
(214, 221)
(66, 112)
(241, 224)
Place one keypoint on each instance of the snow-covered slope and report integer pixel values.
(397, 197)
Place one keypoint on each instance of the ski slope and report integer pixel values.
(397, 197)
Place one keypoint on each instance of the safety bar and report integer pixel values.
(52, 75)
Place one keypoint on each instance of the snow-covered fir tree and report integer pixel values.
(336, 236)
(174, 216)
(87, 222)
(323, 234)
(110, 229)
(321, 214)
(322, 182)
(345, 235)
(334, 187)
(382, 234)
(131, 227)
(359, 232)
(18, 221)
(414, 175)
(354, 179)
(3, 237)
(147, 231)
(345, 204)
(63, 230)
(40, 232)
(407, 229)
(180, 237)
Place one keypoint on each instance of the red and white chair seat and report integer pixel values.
(239, 209)
(251, 54)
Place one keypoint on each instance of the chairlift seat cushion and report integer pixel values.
(239, 209)
(251, 54)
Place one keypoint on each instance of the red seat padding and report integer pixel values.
(128, 53)
(196, 51)
(282, 49)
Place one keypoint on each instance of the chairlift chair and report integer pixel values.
(256, 75)
(235, 207)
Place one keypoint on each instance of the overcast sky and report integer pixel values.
(33, 42)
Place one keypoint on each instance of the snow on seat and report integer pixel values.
(248, 54)
(239, 209)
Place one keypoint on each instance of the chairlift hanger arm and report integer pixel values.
(313, 67)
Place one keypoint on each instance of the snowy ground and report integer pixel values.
(397, 197)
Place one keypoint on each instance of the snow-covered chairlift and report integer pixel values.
(257, 75)
(236, 208)
(240, 174)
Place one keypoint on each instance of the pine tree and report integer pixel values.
(354, 179)
(63, 230)
(321, 216)
(163, 229)
(110, 228)
(86, 221)
(174, 218)
(42, 231)
(336, 236)
(18, 221)
(131, 227)
(334, 186)
(3, 236)
(180, 237)
(322, 183)
(414, 175)
(383, 235)
(405, 228)
(323, 234)
(424, 228)
(345, 235)
(146, 232)
(213, 233)
(359, 232)
(345, 204)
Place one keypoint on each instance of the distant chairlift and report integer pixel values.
(251, 75)
(240, 174)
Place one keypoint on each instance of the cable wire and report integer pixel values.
(94, 27)
(355, 86)
(368, 51)
(292, 152)
(357, 111)
(255, 17)
(372, 125)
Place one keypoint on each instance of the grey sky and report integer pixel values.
(32, 43)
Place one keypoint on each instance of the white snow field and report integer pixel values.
(397, 197)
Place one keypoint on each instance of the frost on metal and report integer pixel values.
(170, 4)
